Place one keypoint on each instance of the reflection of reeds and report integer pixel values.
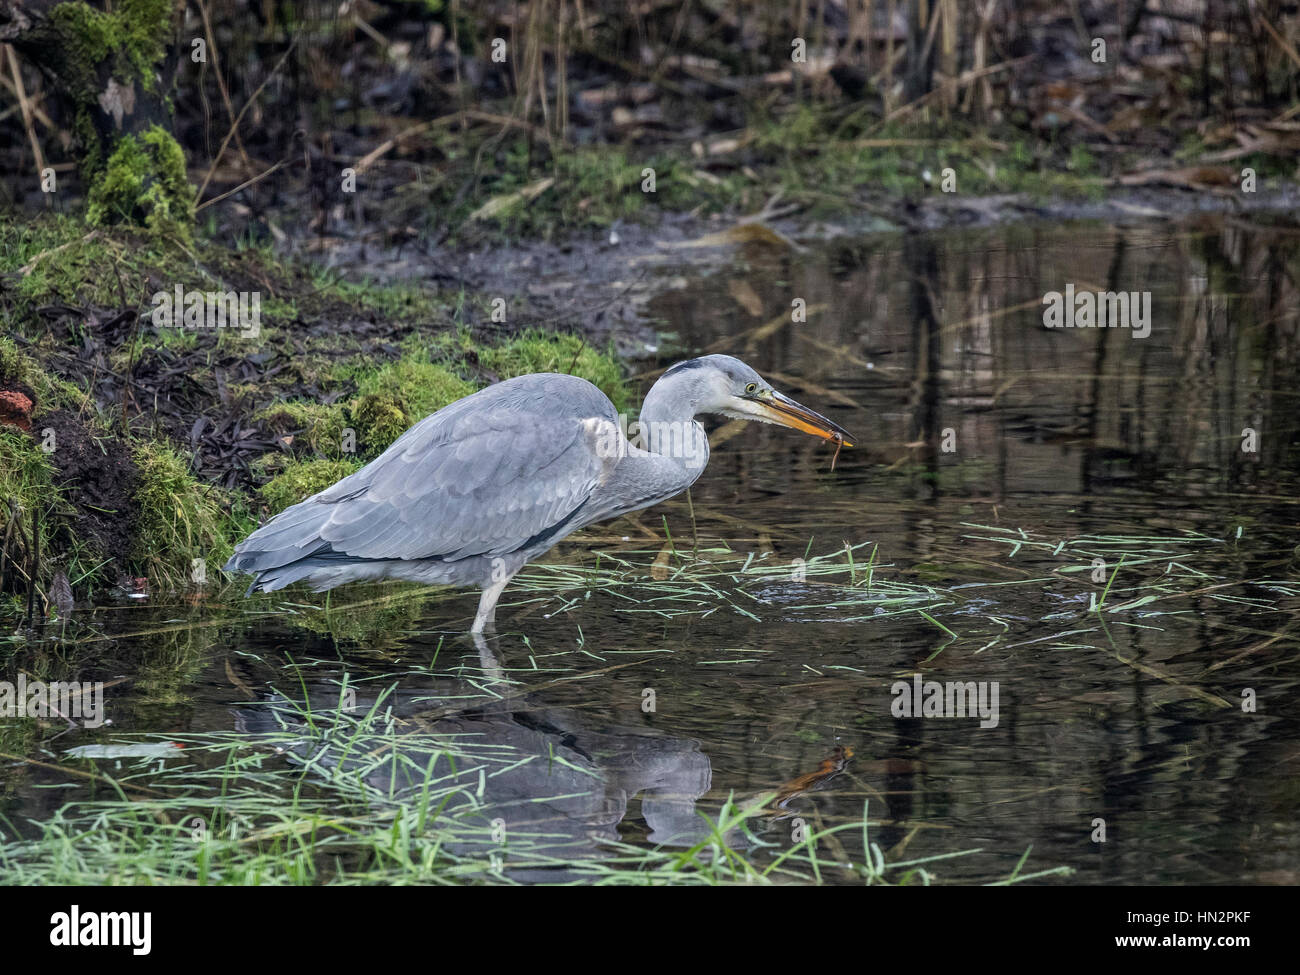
(1223, 355)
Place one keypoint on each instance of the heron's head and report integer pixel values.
(724, 385)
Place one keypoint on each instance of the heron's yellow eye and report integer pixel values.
(751, 388)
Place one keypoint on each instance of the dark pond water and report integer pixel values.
(998, 459)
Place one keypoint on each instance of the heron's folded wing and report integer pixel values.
(463, 485)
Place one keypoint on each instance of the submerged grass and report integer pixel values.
(712, 578)
(1117, 573)
(1071, 594)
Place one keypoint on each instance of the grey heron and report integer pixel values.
(472, 492)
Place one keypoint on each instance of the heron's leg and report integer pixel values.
(487, 658)
(487, 606)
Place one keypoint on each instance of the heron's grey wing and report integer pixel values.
(485, 475)
(485, 483)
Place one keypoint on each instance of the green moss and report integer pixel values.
(135, 33)
(144, 183)
(86, 36)
(67, 262)
(69, 265)
(392, 300)
(380, 420)
(14, 366)
(319, 426)
(143, 27)
(418, 385)
(180, 518)
(299, 480)
(392, 397)
(76, 268)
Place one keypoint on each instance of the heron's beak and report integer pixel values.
(776, 408)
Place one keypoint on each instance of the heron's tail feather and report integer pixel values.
(270, 580)
(330, 569)
(278, 552)
(289, 549)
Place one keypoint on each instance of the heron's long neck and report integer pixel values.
(668, 426)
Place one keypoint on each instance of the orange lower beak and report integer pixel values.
(785, 411)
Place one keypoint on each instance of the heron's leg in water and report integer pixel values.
(487, 606)
(487, 657)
